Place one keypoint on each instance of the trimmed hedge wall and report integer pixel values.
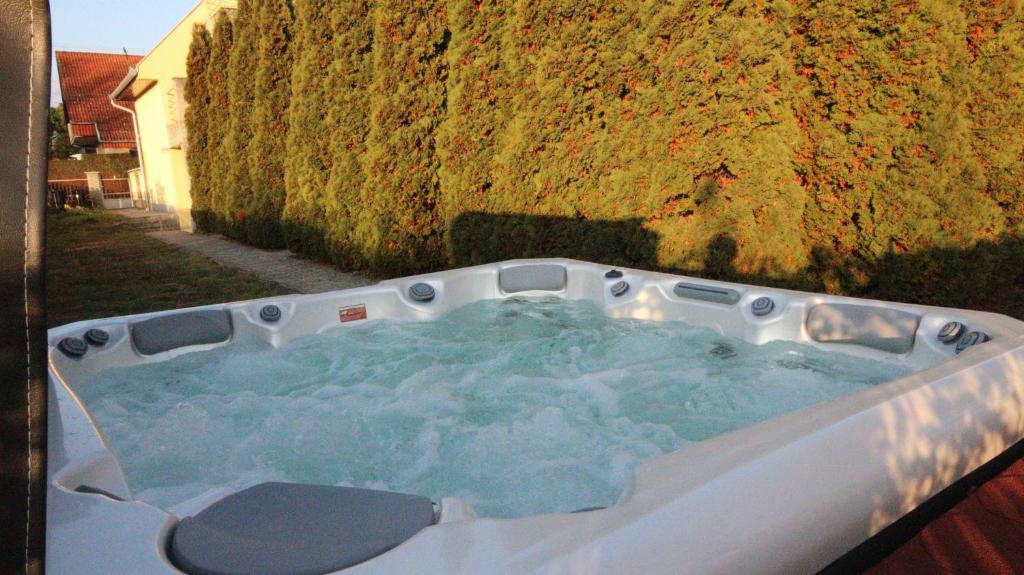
(478, 99)
(397, 227)
(218, 118)
(864, 147)
(347, 83)
(242, 62)
(313, 119)
(273, 30)
(105, 164)
(197, 156)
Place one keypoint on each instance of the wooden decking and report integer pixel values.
(982, 534)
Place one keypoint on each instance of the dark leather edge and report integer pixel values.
(25, 74)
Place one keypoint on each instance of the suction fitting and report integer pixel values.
(270, 313)
(73, 347)
(613, 274)
(97, 337)
(951, 332)
(619, 288)
(762, 306)
(972, 338)
(421, 292)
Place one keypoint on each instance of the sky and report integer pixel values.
(111, 26)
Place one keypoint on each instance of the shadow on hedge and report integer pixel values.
(258, 231)
(988, 275)
(477, 238)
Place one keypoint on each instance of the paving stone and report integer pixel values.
(281, 266)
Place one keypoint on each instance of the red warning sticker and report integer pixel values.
(352, 313)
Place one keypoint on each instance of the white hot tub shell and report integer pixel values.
(788, 495)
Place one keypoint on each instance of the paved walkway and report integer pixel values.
(148, 220)
(281, 266)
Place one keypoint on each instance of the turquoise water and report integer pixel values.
(518, 406)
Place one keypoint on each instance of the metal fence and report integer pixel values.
(114, 192)
(116, 189)
(73, 193)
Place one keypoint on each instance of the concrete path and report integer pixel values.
(281, 266)
(148, 220)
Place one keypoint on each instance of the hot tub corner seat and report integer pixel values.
(296, 529)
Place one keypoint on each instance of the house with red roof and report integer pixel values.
(95, 125)
(155, 88)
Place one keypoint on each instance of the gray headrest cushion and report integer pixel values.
(879, 328)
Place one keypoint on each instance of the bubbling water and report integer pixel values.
(519, 406)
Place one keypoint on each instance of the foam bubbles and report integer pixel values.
(518, 406)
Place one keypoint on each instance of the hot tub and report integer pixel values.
(790, 493)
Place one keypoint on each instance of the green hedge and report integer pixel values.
(478, 98)
(995, 53)
(397, 227)
(197, 95)
(242, 62)
(105, 164)
(270, 123)
(854, 147)
(347, 83)
(308, 153)
(894, 164)
(218, 124)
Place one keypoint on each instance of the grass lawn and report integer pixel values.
(99, 265)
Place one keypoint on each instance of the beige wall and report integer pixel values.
(160, 112)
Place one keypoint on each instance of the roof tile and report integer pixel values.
(86, 81)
